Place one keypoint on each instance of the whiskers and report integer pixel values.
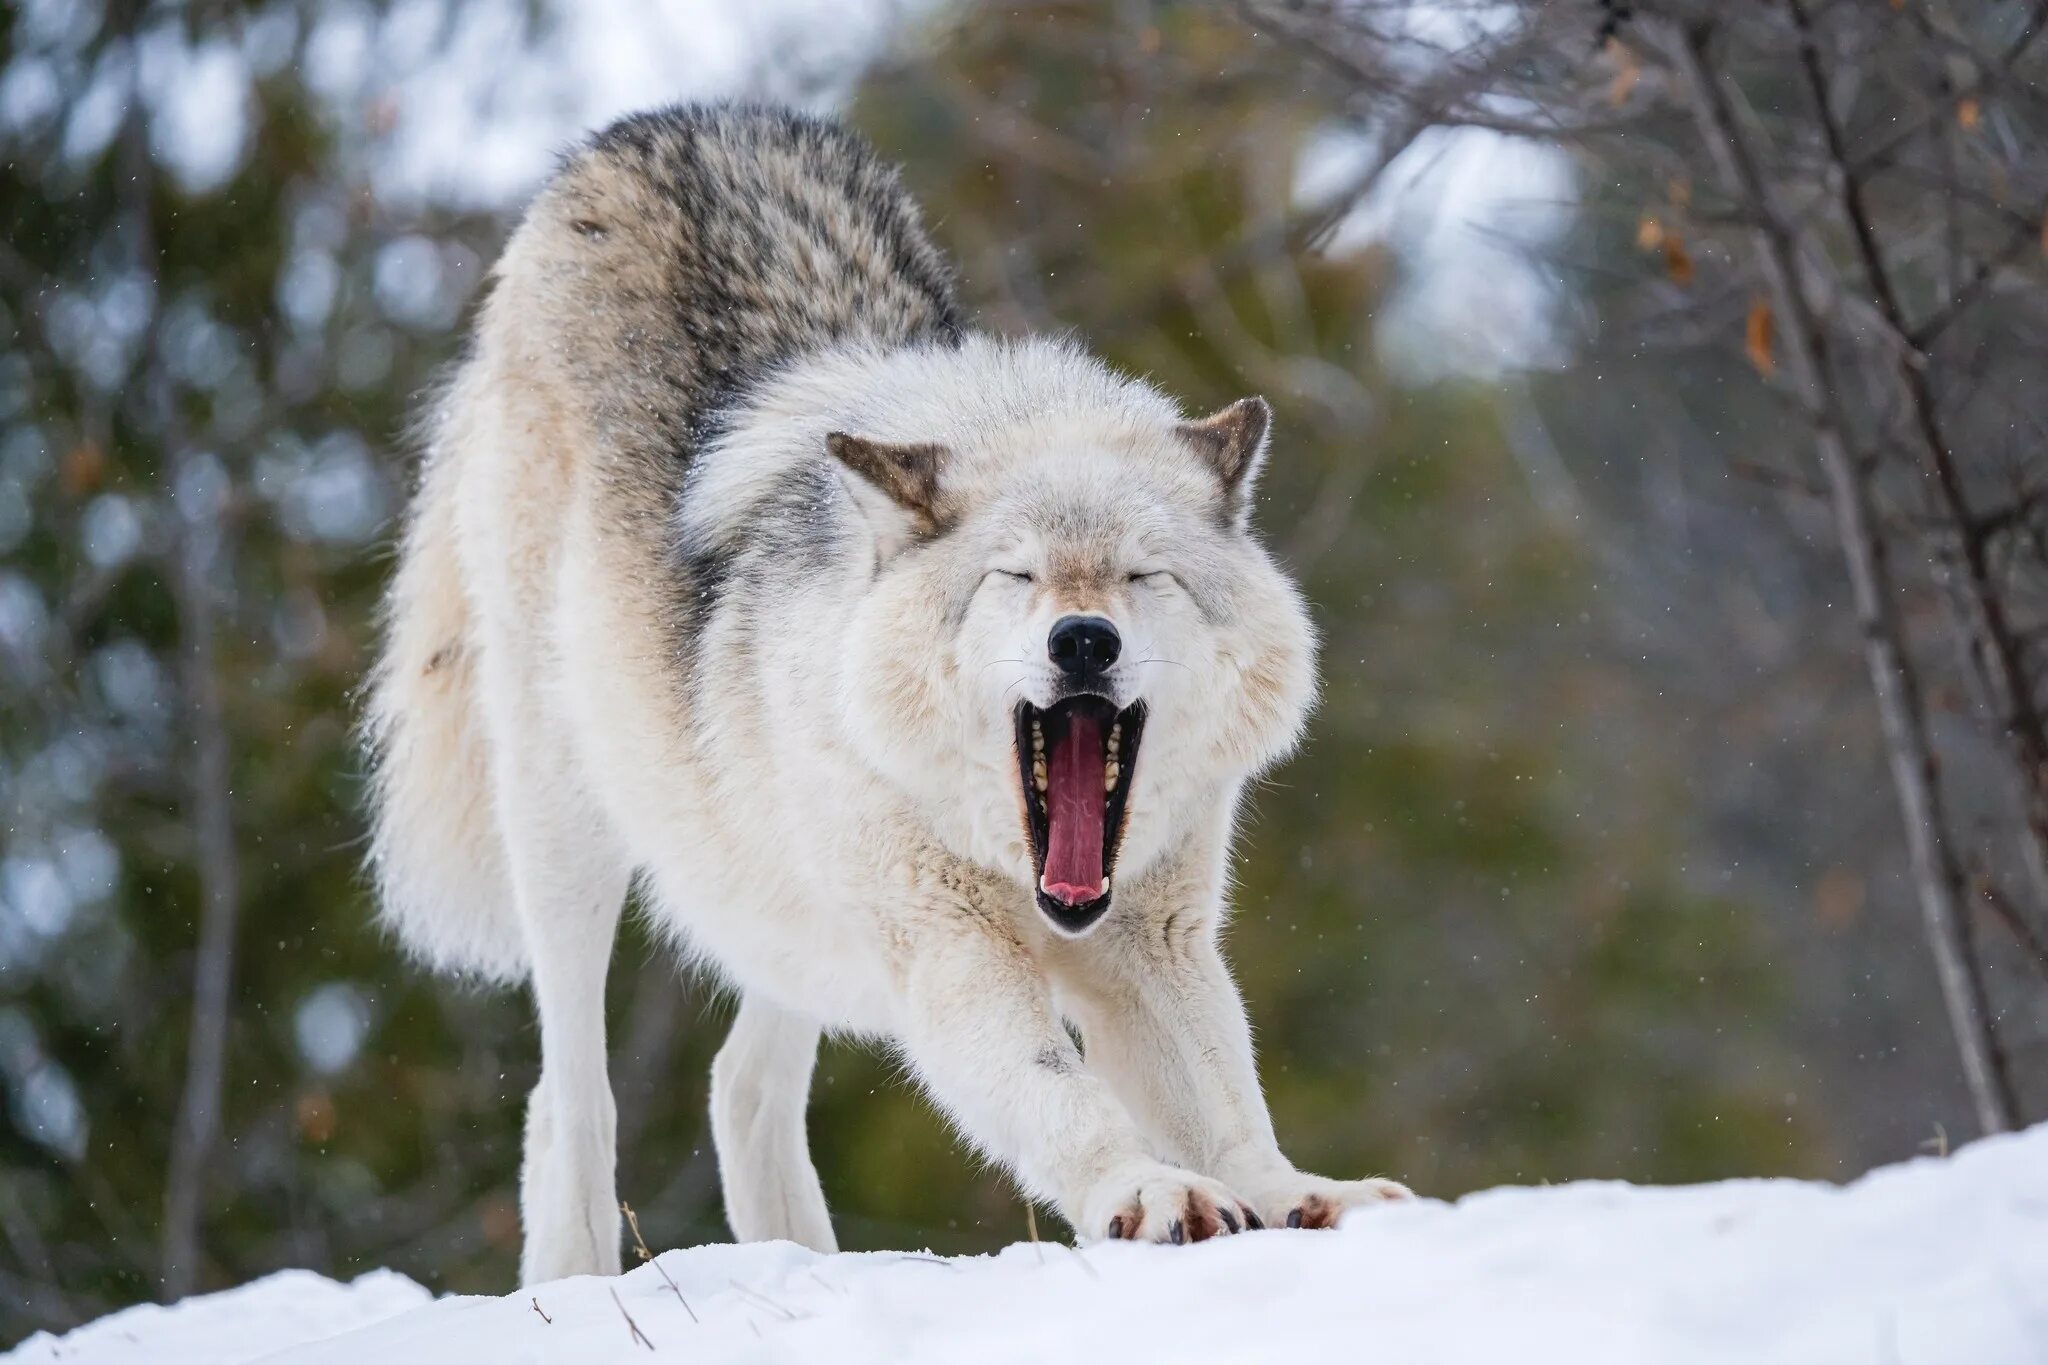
(1010, 692)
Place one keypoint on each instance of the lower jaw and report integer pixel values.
(1074, 919)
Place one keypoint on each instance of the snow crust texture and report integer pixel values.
(1935, 1262)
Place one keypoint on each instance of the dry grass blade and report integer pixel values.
(633, 1223)
(631, 1325)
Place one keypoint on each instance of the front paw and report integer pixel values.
(1307, 1201)
(1164, 1204)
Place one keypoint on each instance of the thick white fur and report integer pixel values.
(829, 813)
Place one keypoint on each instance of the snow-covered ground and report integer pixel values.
(1938, 1261)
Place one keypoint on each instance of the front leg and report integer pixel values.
(1165, 1026)
(978, 1028)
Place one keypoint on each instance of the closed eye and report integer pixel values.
(1154, 576)
(1018, 575)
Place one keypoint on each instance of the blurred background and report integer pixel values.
(1649, 385)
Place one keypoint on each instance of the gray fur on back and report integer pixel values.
(691, 249)
(681, 255)
(778, 233)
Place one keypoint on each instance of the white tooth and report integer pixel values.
(1111, 771)
(1038, 776)
(1103, 890)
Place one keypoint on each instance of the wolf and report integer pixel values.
(917, 675)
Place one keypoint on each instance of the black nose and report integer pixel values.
(1083, 644)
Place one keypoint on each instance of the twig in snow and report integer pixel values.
(676, 1290)
(543, 1313)
(763, 1298)
(1084, 1261)
(633, 1326)
(928, 1260)
(640, 1245)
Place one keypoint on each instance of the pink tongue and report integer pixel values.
(1075, 803)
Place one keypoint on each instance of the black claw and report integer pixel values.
(1176, 1232)
(1294, 1218)
(1116, 1228)
(1229, 1218)
(1253, 1221)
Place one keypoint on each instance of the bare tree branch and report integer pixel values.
(1902, 715)
(1987, 635)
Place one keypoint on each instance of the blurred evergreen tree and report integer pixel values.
(214, 335)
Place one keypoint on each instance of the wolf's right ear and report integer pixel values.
(906, 474)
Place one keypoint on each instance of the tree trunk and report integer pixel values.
(209, 797)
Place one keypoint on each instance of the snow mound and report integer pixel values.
(275, 1312)
(1930, 1263)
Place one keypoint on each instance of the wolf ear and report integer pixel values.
(1232, 442)
(907, 474)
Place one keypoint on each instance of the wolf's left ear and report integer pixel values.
(906, 474)
(1232, 442)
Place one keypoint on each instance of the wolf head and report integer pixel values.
(1073, 649)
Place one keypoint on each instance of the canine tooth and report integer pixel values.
(1111, 771)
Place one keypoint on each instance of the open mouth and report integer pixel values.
(1075, 761)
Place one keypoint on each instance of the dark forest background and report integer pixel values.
(1595, 864)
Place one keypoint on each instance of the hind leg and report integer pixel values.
(760, 1086)
(569, 880)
